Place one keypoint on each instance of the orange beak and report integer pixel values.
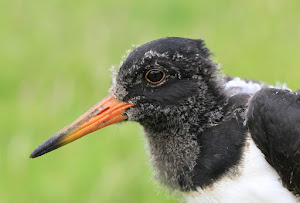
(106, 112)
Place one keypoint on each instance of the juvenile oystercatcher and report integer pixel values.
(213, 137)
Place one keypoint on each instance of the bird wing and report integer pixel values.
(273, 119)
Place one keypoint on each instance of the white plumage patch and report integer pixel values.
(256, 181)
(238, 85)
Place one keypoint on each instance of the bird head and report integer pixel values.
(156, 84)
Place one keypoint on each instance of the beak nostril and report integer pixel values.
(101, 112)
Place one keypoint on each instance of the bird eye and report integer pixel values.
(155, 76)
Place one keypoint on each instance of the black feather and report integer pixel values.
(274, 122)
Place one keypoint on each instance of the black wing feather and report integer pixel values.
(273, 120)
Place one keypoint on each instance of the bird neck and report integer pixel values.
(173, 140)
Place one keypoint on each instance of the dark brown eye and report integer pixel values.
(155, 76)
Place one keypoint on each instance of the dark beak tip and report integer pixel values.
(34, 154)
(39, 151)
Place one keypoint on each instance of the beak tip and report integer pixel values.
(48, 146)
(34, 154)
(39, 151)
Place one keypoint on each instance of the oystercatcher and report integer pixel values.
(215, 138)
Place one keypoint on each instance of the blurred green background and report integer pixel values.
(55, 58)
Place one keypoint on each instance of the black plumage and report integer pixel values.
(273, 120)
(222, 144)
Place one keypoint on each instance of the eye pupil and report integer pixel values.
(155, 75)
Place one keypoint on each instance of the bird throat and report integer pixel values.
(173, 142)
(173, 156)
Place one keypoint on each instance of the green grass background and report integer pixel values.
(55, 58)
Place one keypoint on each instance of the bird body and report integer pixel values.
(212, 137)
(253, 180)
